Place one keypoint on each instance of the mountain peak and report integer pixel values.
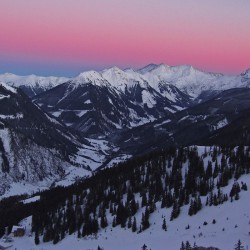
(148, 68)
(8, 74)
(90, 77)
(122, 79)
(246, 74)
(114, 68)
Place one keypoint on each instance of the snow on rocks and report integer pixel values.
(8, 87)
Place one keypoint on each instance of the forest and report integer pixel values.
(115, 196)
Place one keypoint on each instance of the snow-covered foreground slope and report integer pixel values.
(219, 226)
(232, 223)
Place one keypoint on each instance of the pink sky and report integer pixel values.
(66, 37)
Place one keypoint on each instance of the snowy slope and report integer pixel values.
(155, 238)
(37, 151)
(191, 80)
(186, 78)
(246, 75)
(87, 77)
(32, 84)
(123, 80)
(232, 222)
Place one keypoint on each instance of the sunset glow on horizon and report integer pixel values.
(64, 37)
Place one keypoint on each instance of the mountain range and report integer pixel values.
(98, 118)
(126, 153)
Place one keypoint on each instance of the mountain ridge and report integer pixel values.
(151, 73)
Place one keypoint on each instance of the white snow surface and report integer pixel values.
(222, 123)
(187, 78)
(6, 140)
(246, 74)
(44, 82)
(17, 116)
(7, 87)
(123, 79)
(148, 99)
(4, 96)
(32, 199)
(234, 217)
(89, 77)
(191, 80)
(118, 159)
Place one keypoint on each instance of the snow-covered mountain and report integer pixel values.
(222, 120)
(191, 80)
(129, 79)
(32, 84)
(186, 78)
(98, 102)
(43, 143)
(119, 102)
(112, 99)
(36, 150)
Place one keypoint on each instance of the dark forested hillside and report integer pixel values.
(127, 195)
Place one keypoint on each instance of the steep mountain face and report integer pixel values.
(87, 104)
(32, 84)
(36, 147)
(245, 77)
(20, 114)
(223, 120)
(126, 81)
(98, 103)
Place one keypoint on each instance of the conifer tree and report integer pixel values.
(129, 222)
(37, 240)
(164, 225)
(182, 246)
(114, 222)
(104, 222)
(188, 246)
(238, 246)
(145, 219)
(56, 238)
(134, 226)
(191, 208)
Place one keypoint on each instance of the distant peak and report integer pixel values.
(129, 70)
(246, 73)
(152, 67)
(9, 74)
(89, 74)
(147, 68)
(114, 69)
(89, 77)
